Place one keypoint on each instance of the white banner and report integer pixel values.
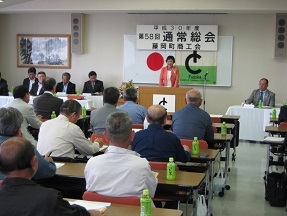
(177, 37)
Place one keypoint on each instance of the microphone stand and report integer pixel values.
(204, 90)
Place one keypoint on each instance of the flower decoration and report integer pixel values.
(127, 85)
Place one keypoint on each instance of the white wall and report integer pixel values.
(253, 50)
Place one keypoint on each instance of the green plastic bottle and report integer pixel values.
(284, 103)
(273, 116)
(145, 203)
(260, 104)
(84, 112)
(223, 129)
(53, 115)
(170, 169)
(195, 146)
(12, 89)
(78, 92)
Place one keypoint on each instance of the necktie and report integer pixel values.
(93, 85)
(261, 97)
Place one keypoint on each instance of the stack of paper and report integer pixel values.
(89, 205)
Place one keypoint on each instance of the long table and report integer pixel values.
(252, 121)
(185, 181)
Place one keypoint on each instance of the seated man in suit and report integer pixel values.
(20, 102)
(191, 121)
(31, 79)
(282, 114)
(14, 118)
(98, 117)
(267, 97)
(66, 86)
(37, 87)
(155, 143)
(136, 112)
(21, 196)
(93, 85)
(47, 103)
(3, 86)
(119, 172)
(60, 137)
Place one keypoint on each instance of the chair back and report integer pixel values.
(1, 182)
(283, 124)
(138, 126)
(159, 165)
(202, 143)
(93, 196)
(96, 136)
(215, 120)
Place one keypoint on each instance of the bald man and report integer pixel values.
(154, 143)
(21, 196)
(191, 121)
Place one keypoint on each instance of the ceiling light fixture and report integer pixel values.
(1, 1)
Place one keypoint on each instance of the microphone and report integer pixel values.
(205, 74)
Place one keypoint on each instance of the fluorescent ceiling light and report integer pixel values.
(1, 1)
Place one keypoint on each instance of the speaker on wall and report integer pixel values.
(77, 24)
(280, 35)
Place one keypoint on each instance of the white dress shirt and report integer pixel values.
(30, 117)
(60, 137)
(32, 81)
(119, 173)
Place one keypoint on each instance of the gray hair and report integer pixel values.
(70, 106)
(193, 96)
(118, 127)
(10, 121)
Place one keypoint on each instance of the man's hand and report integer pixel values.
(96, 213)
(48, 158)
(186, 148)
(100, 141)
(40, 117)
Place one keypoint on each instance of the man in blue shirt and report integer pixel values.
(136, 112)
(156, 144)
(191, 121)
(10, 123)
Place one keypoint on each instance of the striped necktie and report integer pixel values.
(261, 97)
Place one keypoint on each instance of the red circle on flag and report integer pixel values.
(155, 61)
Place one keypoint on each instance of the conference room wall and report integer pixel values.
(253, 50)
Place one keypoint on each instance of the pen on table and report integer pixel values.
(49, 155)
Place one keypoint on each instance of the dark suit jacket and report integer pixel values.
(283, 114)
(70, 90)
(99, 87)
(46, 104)
(26, 82)
(4, 87)
(20, 196)
(34, 90)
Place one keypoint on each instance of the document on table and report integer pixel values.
(89, 205)
(58, 165)
(274, 139)
(104, 147)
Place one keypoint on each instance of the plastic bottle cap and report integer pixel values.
(224, 123)
(145, 192)
(195, 138)
(170, 159)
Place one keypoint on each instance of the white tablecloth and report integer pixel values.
(90, 102)
(252, 121)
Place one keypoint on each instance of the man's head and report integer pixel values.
(17, 158)
(263, 84)
(156, 114)
(41, 75)
(193, 96)
(93, 76)
(21, 92)
(66, 77)
(10, 121)
(72, 110)
(119, 129)
(49, 84)
(111, 95)
(31, 73)
(131, 94)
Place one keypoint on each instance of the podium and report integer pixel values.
(145, 95)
